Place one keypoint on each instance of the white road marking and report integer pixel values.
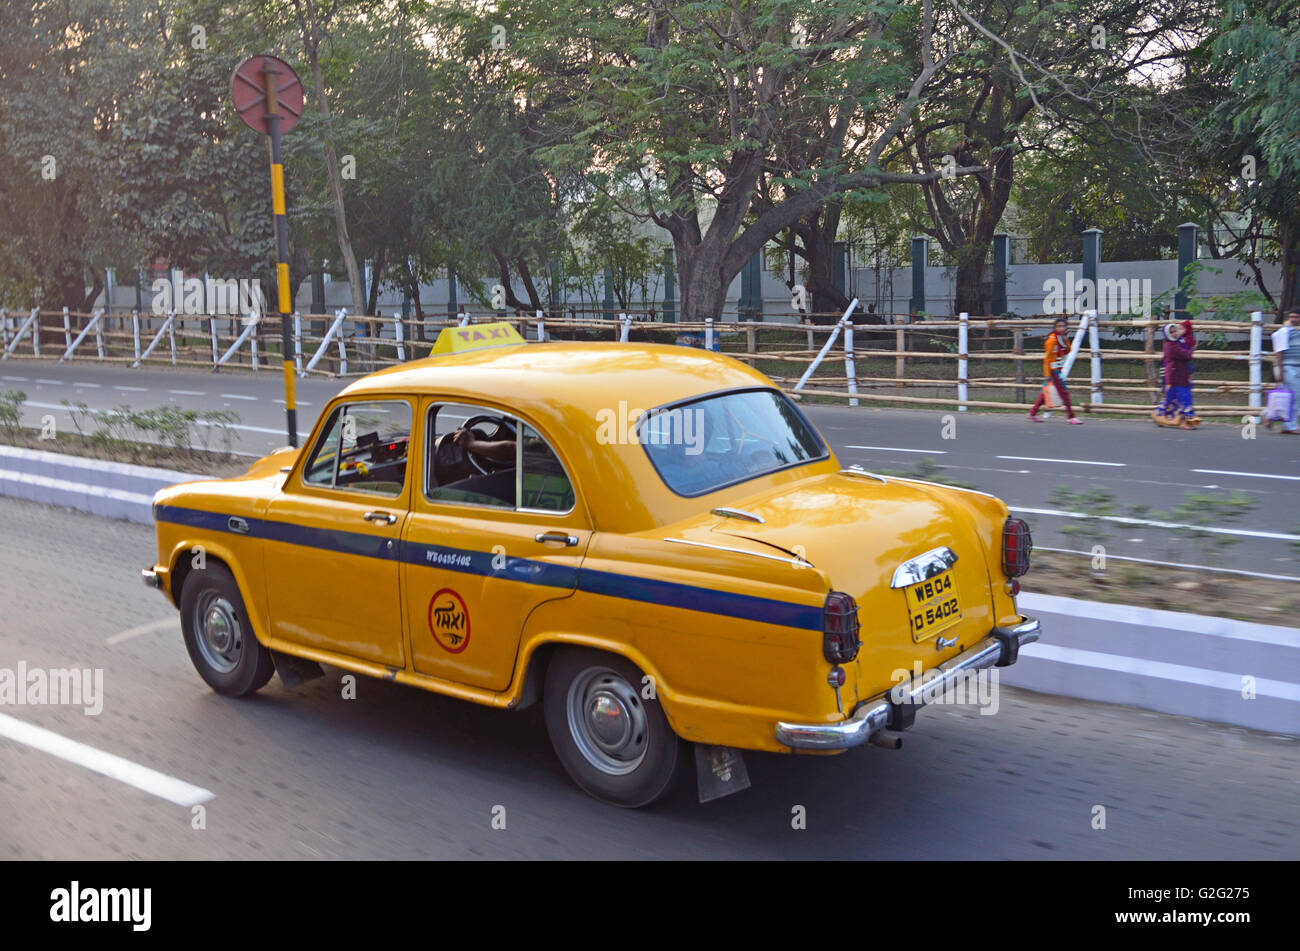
(296, 402)
(251, 429)
(14, 379)
(1122, 520)
(1247, 475)
(188, 392)
(236, 396)
(1073, 462)
(984, 469)
(51, 382)
(930, 452)
(133, 389)
(106, 764)
(93, 386)
(1174, 564)
(131, 632)
(1120, 664)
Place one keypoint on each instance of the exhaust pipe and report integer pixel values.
(888, 741)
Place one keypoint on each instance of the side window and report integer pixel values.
(363, 448)
(545, 486)
(481, 456)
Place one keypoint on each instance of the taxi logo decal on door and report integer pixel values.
(449, 621)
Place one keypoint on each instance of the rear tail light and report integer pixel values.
(840, 628)
(1016, 545)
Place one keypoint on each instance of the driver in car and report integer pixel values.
(502, 450)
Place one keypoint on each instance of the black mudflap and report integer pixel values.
(295, 671)
(719, 771)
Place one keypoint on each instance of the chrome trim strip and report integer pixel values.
(738, 513)
(742, 551)
(871, 716)
(859, 471)
(933, 562)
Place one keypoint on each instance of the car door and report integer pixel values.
(334, 533)
(480, 552)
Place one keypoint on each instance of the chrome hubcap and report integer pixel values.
(607, 721)
(220, 638)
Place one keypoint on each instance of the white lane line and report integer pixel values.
(14, 379)
(1247, 475)
(1120, 664)
(237, 396)
(1173, 564)
(1072, 462)
(93, 386)
(1122, 520)
(133, 389)
(106, 764)
(984, 469)
(251, 429)
(928, 452)
(188, 392)
(297, 402)
(51, 382)
(131, 632)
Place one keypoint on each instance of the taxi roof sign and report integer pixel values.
(476, 337)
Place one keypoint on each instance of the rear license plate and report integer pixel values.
(933, 605)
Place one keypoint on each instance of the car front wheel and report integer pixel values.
(218, 636)
(613, 740)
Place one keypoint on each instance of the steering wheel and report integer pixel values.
(449, 457)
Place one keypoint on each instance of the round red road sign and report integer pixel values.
(248, 92)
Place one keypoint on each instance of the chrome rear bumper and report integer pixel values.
(895, 709)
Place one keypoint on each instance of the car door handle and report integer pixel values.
(385, 517)
(569, 540)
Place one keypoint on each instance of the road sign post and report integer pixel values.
(268, 97)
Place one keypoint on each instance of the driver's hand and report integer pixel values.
(463, 438)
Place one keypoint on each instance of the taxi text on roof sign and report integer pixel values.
(476, 337)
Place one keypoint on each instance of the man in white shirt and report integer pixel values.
(1286, 366)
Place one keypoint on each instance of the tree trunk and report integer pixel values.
(525, 275)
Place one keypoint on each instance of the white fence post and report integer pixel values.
(850, 369)
(99, 337)
(212, 333)
(165, 328)
(73, 344)
(541, 328)
(1084, 321)
(1095, 343)
(252, 345)
(963, 352)
(826, 347)
(67, 330)
(463, 317)
(297, 342)
(171, 335)
(625, 325)
(343, 355)
(339, 317)
(135, 334)
(31, 321)
(708, 333)
(1256, 358)
(397, 326)
(4, 328)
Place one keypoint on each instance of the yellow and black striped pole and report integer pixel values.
(281, 252)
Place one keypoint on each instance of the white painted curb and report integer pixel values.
(109, 489)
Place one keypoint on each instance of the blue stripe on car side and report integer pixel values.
(607, 583)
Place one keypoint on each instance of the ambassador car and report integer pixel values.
(652, 542)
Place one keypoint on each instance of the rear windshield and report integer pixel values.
(717, 441)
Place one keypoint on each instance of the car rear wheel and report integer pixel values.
(218, 636)
(612, 740)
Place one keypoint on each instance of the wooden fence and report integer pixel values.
(992, 363)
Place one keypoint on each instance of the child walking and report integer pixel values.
(1055, 348)
(1176, 408)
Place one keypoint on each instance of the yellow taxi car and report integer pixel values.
(651, 541)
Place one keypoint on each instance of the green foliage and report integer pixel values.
(127, 433)
(11, 407)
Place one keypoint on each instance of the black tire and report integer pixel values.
(244, 666)
(636, 760)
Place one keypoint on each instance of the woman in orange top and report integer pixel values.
(1054, 351)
